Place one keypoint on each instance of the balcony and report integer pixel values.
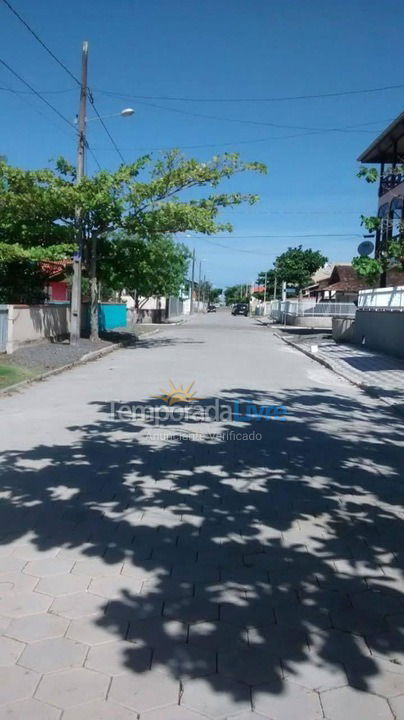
(389, 182)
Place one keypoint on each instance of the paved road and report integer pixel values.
(179, 571)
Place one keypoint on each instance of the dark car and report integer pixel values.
(211, 307)
(240, 309)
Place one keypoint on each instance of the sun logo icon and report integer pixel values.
(177, 394)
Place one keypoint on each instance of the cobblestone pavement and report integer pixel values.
(381, 374)
(179, 572)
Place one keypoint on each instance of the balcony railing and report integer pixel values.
(390, 181)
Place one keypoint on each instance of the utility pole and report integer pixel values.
(265, 288)
(191, 307)
(199, 285)
(275, 285)
(75, 319)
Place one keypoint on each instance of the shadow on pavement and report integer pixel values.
(254, 561)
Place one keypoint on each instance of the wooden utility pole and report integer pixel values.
(75, 319)
(191, 307)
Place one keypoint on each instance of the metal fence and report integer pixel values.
(306, 308)
(3, 327)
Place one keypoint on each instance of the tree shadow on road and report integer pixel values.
(255, 561)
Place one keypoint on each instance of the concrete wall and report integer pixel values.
(343, 329)
(30, 323)
(381, 330)
(310, 321)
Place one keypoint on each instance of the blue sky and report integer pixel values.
(141, 51)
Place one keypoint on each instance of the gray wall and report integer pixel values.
(381, 330)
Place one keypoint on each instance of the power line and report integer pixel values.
(91, 99)
(38, 94)
(43, 92)
(285, 98)
(41, 42)
(66, 69)
(314, 130)
(303, 235)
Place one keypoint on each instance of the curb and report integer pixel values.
(371, 390)
(88, 357)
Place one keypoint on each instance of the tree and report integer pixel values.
(214, 294)
(390, 252)
(271, 283)
(296, 266)
(140, 199)
(154, 266)
(237, 293)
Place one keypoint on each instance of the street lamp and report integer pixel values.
(126, 112)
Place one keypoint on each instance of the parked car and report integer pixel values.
(240, 309)
(211, 307)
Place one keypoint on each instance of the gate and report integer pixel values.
(3, 327)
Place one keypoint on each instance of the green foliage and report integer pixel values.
(368, 268)
(371, 175)
(141, 200)
(214, 294)
(296, 266)
(149, 266)
(236, 293)
(371, 222)
(21, 281)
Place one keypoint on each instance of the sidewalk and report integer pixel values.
(378, 374)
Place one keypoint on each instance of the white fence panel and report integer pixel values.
(383, 298)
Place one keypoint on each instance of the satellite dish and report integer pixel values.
(365, 248)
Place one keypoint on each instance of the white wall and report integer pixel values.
(390, 297)
(30, 323)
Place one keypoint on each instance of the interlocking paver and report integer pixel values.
(28, 551)
(217, 635)
(17, 683)
(191, 610)
(216, 700)
(48, 567)
(77, 605)
(96, 567)
(20, 604)
(16, 582)
(68, 688)
(99, 710)
(57, 585)
(358, 621)
(397, 706)
(160, 633)
(315, 673)
(146, 691)
(378, 676)
(29, 709)
(287, 702)
(92, 632)
(253, 666)
(114, 658)
(182, 660)
(53, 654)
(173, 712)
(37, 627)
(114, 587)
(349, 703)
(11, 564)
(10, 650)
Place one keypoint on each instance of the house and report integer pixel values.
(387, 151)
(57, 288)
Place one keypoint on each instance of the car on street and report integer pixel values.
(211, 307)
(240, 309)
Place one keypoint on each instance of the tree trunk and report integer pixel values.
(93, 291)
